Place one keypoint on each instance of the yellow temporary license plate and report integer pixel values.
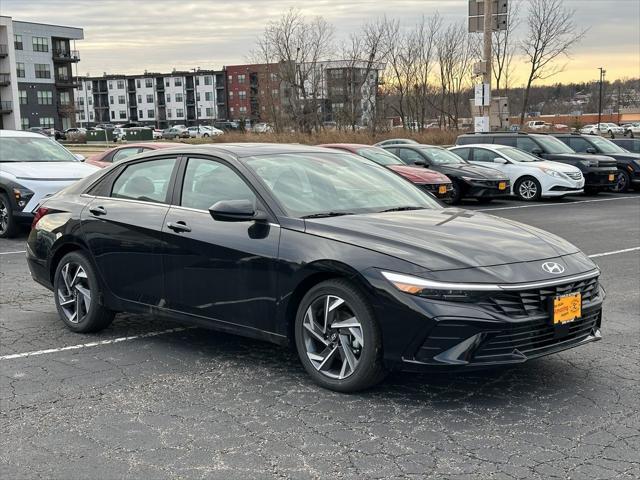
(502, 185)
(567, 308)
(612, 177)
(442, 189)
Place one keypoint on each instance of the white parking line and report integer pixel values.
(555, 204)
(93, 344)
(12, 253)
(614, 252)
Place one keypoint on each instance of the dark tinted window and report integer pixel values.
(577, 143)
(462, 152)
(409, 156)
(207, 182)
(469, 139)
(124, 153)
(482, 155)
(509, 141)
(147, 181)
(526, 144)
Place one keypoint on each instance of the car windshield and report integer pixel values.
(31, 149)
(519, 155)
(606, 146)
(329, 184)
(553, 145)
(380, 156)
(441, 156)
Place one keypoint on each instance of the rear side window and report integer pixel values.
(147, 181)
(509, 141)
(124, 153)
(469, 139)
(578, 144)
(409, 156)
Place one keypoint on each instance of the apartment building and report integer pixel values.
(37, 78)
(152, 99)
(254, 91)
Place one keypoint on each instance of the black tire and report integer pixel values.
(456, 192)
(370, 368)
(206, 135)
(484, 200)
(8, 226)
(97, 316)
(528, 189)
(623, 182)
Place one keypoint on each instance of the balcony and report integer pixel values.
(6, 107)
(4, 51)
(66, 82)
(5, 79)
(66, 56)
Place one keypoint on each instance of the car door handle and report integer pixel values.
(179, 227)
(97, 211)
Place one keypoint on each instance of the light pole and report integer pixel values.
(602, 73)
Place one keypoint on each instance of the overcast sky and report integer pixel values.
(126, 36)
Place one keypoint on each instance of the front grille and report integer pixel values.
(528, 303)
(607, 163)
(433, 187)
(574, 175)
(534, 337)
(491, 183)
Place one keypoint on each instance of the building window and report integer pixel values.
(209, 112)
(81, 115)
(111, 100)
(139, 98)
(208, 96)
(121, 84)
(113, 115)
(148, 82)
(45, 97)
(275, 92)
(42, 70)
(242, 95)
(208, 80)
(197, 96)
(122, 114)
(25, 123)
(80, 87)
(40, 44)
(138, 83)
(20, 70)
(197, 80)
(177, 82)
(169, 113)
(168, 97)
(167, 82)
(89, 86)
(90, 115)
(140, 113)
(65, 98)
(90, 101)
(81, 101)
(241, 78)
(17, 44)
(46, 122)
(243, 109)
(63, 73)
(230, 94)
(22, 94)
(151, 114)
(121, 100)
(110, 85)
(231, 109)
(149, 98)
(230, 78)
(179, 98)
(179, 113)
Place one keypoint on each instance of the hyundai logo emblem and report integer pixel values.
(552, 267)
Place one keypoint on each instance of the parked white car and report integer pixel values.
(610, 129)
(32, 167)
(632, 129)
(204, 131)
(531, 178)
(537, 125)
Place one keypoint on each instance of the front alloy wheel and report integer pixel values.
(528, 189)
(622, 182)
(7, 222)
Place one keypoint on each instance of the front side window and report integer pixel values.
(519, 156)
(441, 156)
(578, 144)
(463, 153)
(553, 145)
(409, 156)
(604, 145)
(526, 144)
(482, 155)
(34, 149)
(320, 184)
(380, 156)
(207, 182)
(147, 181)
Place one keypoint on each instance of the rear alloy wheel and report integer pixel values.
(456, 192)
(8, 225)
(337, 338)
(622, 182)
(528, 189)
(77, 295)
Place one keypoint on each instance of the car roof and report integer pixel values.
(489, 146)
(240, 150)
(414, 146)
(20, 133)
(354, 146)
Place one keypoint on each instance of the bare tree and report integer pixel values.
(551, 33)
(399, 61)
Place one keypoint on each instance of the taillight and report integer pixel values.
(41, 212)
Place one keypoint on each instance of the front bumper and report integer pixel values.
(560, 187)
(601, 178)
(486, 189)
(436, 190)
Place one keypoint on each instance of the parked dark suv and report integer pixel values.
(628, 163)
(599, 171)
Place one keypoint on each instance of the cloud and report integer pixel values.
(126, 36)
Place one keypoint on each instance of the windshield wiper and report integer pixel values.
(401, 209)
(327, 214)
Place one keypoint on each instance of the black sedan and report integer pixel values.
(355, 267)
(469, 181)
(628, 163)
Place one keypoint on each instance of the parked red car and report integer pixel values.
(433, 182)
(121, 152)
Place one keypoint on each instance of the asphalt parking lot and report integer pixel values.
(152, 399)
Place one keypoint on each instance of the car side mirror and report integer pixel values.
(236, 211)
(591, 150)
(499, 160)
(420, 163)
(79, 157)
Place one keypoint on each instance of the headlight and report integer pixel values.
(22, 196)
(471, 179)
(422, 287)
(552, 172)
(589, 163)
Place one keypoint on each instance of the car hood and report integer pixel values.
(47, 170)
(625, 156)
(443, 239)
(603, 160)
(419, 174)
(560, 167)
(475, 171)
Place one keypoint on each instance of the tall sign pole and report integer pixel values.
(488, 33)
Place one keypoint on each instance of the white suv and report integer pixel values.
(531, 178)
(32, 167)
